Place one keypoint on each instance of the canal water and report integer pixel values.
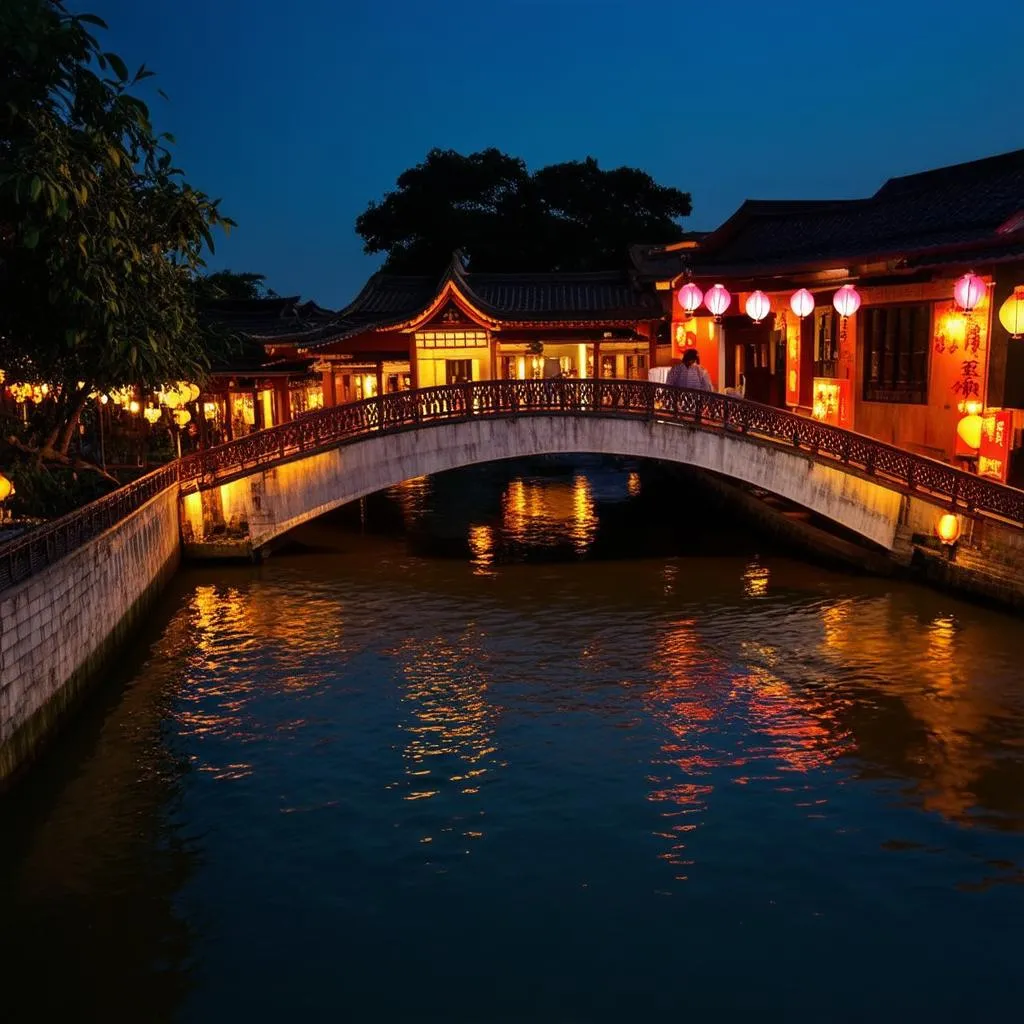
(532, 742)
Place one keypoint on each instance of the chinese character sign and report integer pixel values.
(793, 369)
(996, 438)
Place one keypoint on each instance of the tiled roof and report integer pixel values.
(596, 297)
(272, 320)
(961, 206)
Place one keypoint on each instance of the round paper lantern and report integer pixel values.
(6, 488)
(846, 300)
(717, 299)
(181, 416)
(969, 431)
(802, 303)
(948, 528)
(968, 292)
(134, 407)
(758, 306)
(1011, 312)
(152, 414)
(690, 297)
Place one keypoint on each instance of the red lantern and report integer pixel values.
(758, 306)
(846, 301)
(802, 303)
(690, 297)
(968, 292)
(717, 299)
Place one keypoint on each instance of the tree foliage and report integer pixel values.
(568, 216)
(230, 284)
(100, 236)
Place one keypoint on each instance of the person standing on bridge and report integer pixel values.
(689, 373)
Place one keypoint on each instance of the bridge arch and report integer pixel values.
(277, 479)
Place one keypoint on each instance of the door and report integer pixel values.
(751, 352)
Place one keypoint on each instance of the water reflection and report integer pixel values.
(548, 511)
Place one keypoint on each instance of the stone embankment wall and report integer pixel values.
(59, 627)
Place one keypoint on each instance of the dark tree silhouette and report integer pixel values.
(569, 216)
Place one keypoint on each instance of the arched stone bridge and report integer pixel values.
(271, 481)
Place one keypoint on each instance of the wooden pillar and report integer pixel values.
(380, 378)
(327, 384)
(597, 360)
(284, 405)
(257, 409)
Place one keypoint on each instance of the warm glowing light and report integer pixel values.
(134, 407)
(717, 299)
(104, 399)
(758, 306)
(846, 300)
(948, 528)
(193, 392)
(690, 297)
(969, 291)
(802, 303)
(1011, 313)
(151, 413)
(633, 484)
(181, 417)
(6, 488)
(969, 430)
(170, 398)
(210, 410)
(755, 580)
(971, 406)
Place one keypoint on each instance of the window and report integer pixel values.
(451, 339)
(636, 367)
(896, 343)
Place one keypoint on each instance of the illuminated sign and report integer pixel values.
(994, 453)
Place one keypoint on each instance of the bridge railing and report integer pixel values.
(34, 550)
(407, 410)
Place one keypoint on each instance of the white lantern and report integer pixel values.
(846, 301)
(758, 306)
(717, 299)
(802, 303)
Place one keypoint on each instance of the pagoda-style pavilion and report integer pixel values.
(404, 331)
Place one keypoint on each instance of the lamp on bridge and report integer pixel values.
(947, 529)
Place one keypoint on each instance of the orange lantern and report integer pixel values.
(1011, 313)
(969, 430)
(948, 528)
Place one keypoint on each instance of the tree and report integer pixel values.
(569, 216)
(229, 284)
(100, 236)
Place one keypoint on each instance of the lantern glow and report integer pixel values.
(846, 301)
(1011, 313)
(968, 291)
(717, 299)
(690, 297)
(758, 306)
(6, 488)
(152, 414)
(969, 430)
(802, 303)
(948, 528)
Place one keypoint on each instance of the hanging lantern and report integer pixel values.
(948, 528)
(210, 410)
(104, 399)
(846, 301)
(134, 407)
(758, 306)
(151, 413)
(1011, 313)
(170, 398)
(690, 297)
(717, 299)
(193, 392)
(181, 416)
(969, 431)
(802, 303)
(6, 488)
(968, 292)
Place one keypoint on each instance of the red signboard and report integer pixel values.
(996, 437)
(832, 402)
(793, 370)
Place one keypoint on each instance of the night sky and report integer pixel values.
(299, 113)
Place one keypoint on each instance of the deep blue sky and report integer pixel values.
(299, 113)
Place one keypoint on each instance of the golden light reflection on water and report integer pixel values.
(538, 510)
(755, 580)
(481, 547)
(449, 730)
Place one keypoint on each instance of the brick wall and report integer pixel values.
(58, 628)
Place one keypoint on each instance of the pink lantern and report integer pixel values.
(968, 292)
(802, 303)
(846, 301)
(690, 297)
(717, 299)
(758, 306)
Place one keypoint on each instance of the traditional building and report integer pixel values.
(902, 367)
(403, 331)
